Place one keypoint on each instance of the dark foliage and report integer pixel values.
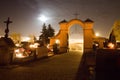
(47, 32)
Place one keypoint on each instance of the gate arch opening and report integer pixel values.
(75, 33)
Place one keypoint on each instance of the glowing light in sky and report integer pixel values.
(43, 18)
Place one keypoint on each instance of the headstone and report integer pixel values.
(6, 47)
(6, 51)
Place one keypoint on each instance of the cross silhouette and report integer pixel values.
(8, 22)
(76, 15)
(7, 25)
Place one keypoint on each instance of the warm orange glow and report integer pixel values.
(57, 41)
(19, 53)
(48, 46)
(27, 39)
(35, 45)
(17, 45)
(31, 46)
(111, 45)
(97, 34)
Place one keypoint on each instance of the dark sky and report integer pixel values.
(25, 13)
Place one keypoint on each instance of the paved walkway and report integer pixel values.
(65, 66)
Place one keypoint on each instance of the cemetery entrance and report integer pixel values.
(62, 38)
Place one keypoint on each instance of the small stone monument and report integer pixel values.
(6, 47)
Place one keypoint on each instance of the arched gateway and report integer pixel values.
(62, 36)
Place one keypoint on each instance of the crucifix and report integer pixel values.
(7, 25)
(76, 15)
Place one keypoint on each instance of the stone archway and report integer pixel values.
(62, 36)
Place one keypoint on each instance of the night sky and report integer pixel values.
(25, 13)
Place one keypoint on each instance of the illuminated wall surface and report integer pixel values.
(116, 30)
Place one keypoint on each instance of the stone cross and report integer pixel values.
(7, 25)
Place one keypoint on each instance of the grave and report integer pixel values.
(6, 47)
(6, 51)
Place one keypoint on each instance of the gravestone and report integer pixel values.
(6, 51)
(6, 47)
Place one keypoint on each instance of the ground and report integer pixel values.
(98, 65)
(59, 67)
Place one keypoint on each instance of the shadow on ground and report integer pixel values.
(100, 65)
(108, 65)
(86, 69)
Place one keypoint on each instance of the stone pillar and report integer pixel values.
(63, 37)
(88, 35)
(63, 42)
(88, 40)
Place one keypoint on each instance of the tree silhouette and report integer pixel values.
(46, 33)
(112, 37)
(116, 29)
(43, 36)
(50, 32)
